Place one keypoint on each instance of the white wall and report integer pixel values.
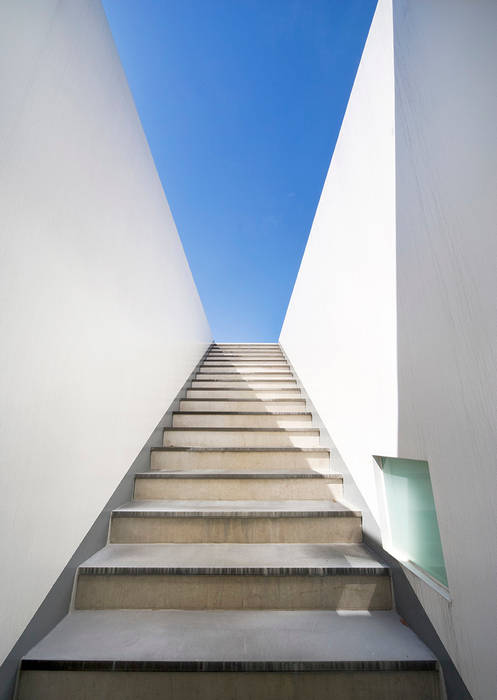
(343, 305)
(100, 319)
(391, 325)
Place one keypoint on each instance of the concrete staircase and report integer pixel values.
(237, 571)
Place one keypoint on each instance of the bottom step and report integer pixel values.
(286, 685)
(225, 654)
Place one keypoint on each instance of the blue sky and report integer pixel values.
(241, 102)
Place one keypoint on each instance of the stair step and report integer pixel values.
(234, 378)
(269, 406)
(251, 377)
(255, 358)
(234, 458)
(172, 653)
(242, 347)
(262, 394)
(270, 354)
(240, 363)
(245, 521)
(228, 485)
(244, 384)
(245, 369)
(240, 437)
(245, 359)
(228, 509)
(233, 576)
(241, 420)
(236, 559)
(250, 346)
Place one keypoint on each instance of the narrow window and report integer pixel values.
(413, 520)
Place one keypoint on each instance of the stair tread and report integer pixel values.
(240, 413)
(202, 508)
(241, 388)
(246, 370)
(223, 474)
(264, 384)
(244, 381)
(256, 364)
(236, 640)
(235, 559)
(254, 370)
(261, 401)
(241, 449)
(240, 429)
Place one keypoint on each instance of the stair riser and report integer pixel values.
(245, 356)
(254, 377)
(243, 406)
(232, 592)
(240, 348)
(235, 461)
(323, 685)
(246, 530)
(242, 363)
(248, 352)
(245, 360)
(221, 438)
(238, 489)
(243, 394)
(181, 420)
(265, 384)
(244, 369)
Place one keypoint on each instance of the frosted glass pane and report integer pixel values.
(413, 519)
